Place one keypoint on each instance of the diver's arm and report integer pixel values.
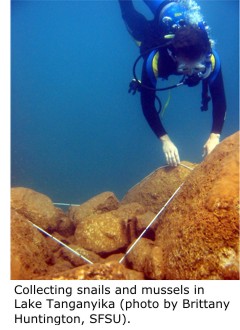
(218, 102)
(152, 117)
(148, 105)
(216, 87)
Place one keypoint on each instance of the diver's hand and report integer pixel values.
(211, 143)
(170, 151)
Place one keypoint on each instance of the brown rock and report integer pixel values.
(130, 213)
(199, 232)
(107, 271)
(102, 233)
(34, 206)
(65, 226)
(146, 257)
(113, 257)
(101, 203)
(155, 190)
(61, 265)
(143, 221)
(30, 254)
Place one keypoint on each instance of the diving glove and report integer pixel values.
(170, 151)
(211, 143)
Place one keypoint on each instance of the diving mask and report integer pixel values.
(202, 69)
(186, 69)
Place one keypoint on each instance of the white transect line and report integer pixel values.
(60, 242)
(189, 168)
(66, 204)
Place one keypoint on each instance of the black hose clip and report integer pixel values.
(134, 86)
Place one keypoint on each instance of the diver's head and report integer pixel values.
(190, 44)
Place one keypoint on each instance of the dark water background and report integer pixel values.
(76, 132)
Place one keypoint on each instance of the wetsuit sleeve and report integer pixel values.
(148, 104)
(216, 87)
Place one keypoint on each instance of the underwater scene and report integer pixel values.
(87, 170)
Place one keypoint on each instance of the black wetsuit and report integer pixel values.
(145, 31)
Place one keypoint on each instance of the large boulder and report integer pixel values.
(101, 203)
(102, 233)
(146, 257)
(154, 190)
(39, 209)
(30, 253)
(34, 206)
(199, 231)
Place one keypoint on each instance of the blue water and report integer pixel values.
(76, 131)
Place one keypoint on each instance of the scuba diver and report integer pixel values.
(175, 42)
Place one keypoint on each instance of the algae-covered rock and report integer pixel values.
(101, 203)
(146, 257)
(34, 206)
(155, 190)
(30, 253)
(199, 232)
(102, 233)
